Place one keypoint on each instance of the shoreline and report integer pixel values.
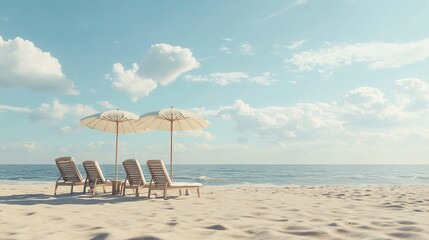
(222, 212)
(14, 182)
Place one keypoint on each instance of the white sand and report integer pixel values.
(235, 212)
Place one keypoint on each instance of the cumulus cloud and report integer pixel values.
(24, 65)
(379, 55)
(368, 106)
(367, 97)
(162, 64)
(226, 78)
(361, 113)
(412, 93)
(53, 114)
(107, 105)
(281, 122)
(130, 82)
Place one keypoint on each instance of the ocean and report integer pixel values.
(216, 175)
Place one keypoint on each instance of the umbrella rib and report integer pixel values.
(97, 123)
(132, 125)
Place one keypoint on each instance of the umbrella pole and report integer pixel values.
(171, 150)
(116, 157)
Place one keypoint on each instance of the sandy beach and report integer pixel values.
(223, 212)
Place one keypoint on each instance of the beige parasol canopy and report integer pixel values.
(171, 119)
(114, 121)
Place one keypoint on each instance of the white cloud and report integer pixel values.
(6, 108)
(220, 78)
(368, 106)
(265, 78)
(228, 39)
(198, 133)
(65, 130)
(246, 49)
(107, 105)
(21, 146)
(226, 78)
(225, 50)
(162, 64)
(130, 82)
(296, 44)
(412, 93)
(24, 65)
(379, 55)
(54, 113)
(367, 97)
(276, 122)
(364, 113)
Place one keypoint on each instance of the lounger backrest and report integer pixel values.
(93, 171)
(134, 172)
(68, 169)
(158, 172)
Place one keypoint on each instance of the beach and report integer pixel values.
(30, 211)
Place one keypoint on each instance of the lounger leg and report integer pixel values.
(84, 185)
(165, 191)
(137, 191)
(150, 187)
(55, 191)
(187, 192)
(104, 189)
(198, 191)
(180, 192)
(71, 192)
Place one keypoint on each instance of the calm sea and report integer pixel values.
(247, 174)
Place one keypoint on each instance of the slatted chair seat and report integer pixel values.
(94, 177)
(134, 177)
(161, 180)
(69, 174)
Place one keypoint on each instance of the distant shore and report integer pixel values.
(223, 212)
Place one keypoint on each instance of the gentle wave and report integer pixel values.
(247, 174)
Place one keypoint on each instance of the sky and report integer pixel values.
(281, 82)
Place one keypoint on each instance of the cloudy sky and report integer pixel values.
(289, 82)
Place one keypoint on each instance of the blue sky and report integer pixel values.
(290, 82)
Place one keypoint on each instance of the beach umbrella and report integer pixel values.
(114, 121)
(171, 119)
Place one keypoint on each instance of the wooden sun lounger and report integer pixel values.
(161, 180)
(94, 177)
(69, 173)
(135, 177)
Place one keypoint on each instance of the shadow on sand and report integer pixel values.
(84, 199)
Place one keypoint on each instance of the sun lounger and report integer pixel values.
(94, 177)
(69, 174)
(135, 177)
(161, 180)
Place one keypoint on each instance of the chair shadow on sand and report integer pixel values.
(61, 199)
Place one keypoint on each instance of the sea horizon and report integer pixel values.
(238, 174)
